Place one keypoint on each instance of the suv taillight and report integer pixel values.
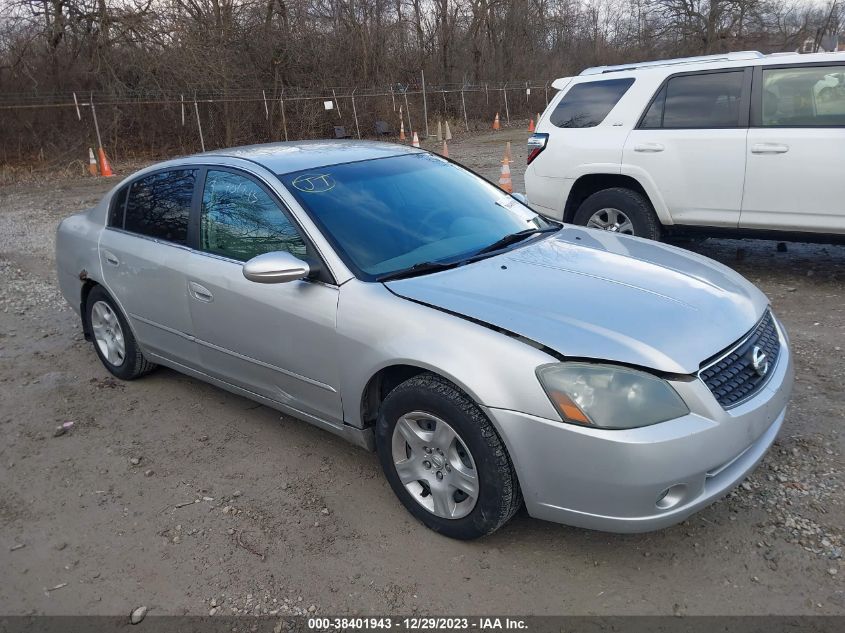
(536, 144)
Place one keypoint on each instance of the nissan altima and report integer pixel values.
(492, 357)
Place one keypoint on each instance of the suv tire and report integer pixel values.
(619, 210)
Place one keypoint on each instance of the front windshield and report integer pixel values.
(390, 214)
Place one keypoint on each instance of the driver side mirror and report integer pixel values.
(275, 268)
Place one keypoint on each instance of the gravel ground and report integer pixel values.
(170, 494)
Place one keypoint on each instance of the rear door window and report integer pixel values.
(587, 104)
(813, 96)
(709, 100)
(159, 205)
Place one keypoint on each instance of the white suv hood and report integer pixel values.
(592, 294)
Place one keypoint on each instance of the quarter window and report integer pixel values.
(812, 96)
(240, 220)
(159, 205)
(709, 100)
(587, 104)
(117, 207)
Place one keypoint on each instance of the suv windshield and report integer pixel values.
(415, 210)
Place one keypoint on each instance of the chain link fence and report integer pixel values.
(58, 128)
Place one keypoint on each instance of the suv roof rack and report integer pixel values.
(722, 57)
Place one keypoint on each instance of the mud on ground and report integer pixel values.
(173, 494)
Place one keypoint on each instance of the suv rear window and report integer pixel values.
(812, 96)
(709, 100)
(587, 104)
(159, 205)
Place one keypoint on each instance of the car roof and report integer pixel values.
(704, 62)
(291, 156)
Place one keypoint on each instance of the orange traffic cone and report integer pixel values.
(531, 125)
(401, 130)
(445, 152)
(496, 124)
(416, 141)
(105, 168)
(505, 182)
(92, 162)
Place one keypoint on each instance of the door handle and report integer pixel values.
(110, 258)
(769, 148)
(649, 148)
(199, 292)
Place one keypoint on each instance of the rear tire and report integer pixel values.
(619, 210)
(476, 452)
(113, 340)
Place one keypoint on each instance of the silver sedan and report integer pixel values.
(491, 356)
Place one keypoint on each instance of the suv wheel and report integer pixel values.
(619, 210)
(444, 460)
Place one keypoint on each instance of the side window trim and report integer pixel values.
(756, 120)
(196, 217)
(745, 99)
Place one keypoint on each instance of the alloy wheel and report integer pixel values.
(612, 220)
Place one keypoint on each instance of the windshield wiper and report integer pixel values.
(419, 269)
(513, 238)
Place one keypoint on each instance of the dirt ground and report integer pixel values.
(175, 495)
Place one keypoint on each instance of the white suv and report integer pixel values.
(741, 143)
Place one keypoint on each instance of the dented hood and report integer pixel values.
(593, 294)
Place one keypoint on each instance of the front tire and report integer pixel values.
(444, 460)
(113, 340)
(619, 210)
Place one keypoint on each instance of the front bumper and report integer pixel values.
(612, 480)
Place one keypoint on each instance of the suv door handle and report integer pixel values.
(110, 258)
(650, 148)
(199, 292)
(769, 148)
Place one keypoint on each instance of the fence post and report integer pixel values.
(425, 104)
(284, 120)
(505, 94)
(408, 112)
(464, 104)
(182, 101)
(199, 123)
(355, 114)
(336, 104)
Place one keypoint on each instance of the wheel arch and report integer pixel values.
(588, 184)
(386, 379)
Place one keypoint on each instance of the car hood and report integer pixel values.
(593, 294)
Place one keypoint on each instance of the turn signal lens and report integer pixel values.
(568, 408)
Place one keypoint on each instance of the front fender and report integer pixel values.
(377, 329)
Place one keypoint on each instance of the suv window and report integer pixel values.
(812, 96)
(587, 104)
(710, 100)
(159, 205)
(240, 220)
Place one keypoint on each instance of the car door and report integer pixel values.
(796, 149)
(275, 340)
(144, 256)
(690, 143)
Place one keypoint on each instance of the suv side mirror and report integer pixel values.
(275, 268)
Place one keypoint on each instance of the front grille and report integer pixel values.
(731, 374)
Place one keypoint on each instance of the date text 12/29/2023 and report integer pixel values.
(417, 623)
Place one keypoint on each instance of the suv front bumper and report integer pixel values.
(612, 480)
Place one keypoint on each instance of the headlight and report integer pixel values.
(608, 396)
